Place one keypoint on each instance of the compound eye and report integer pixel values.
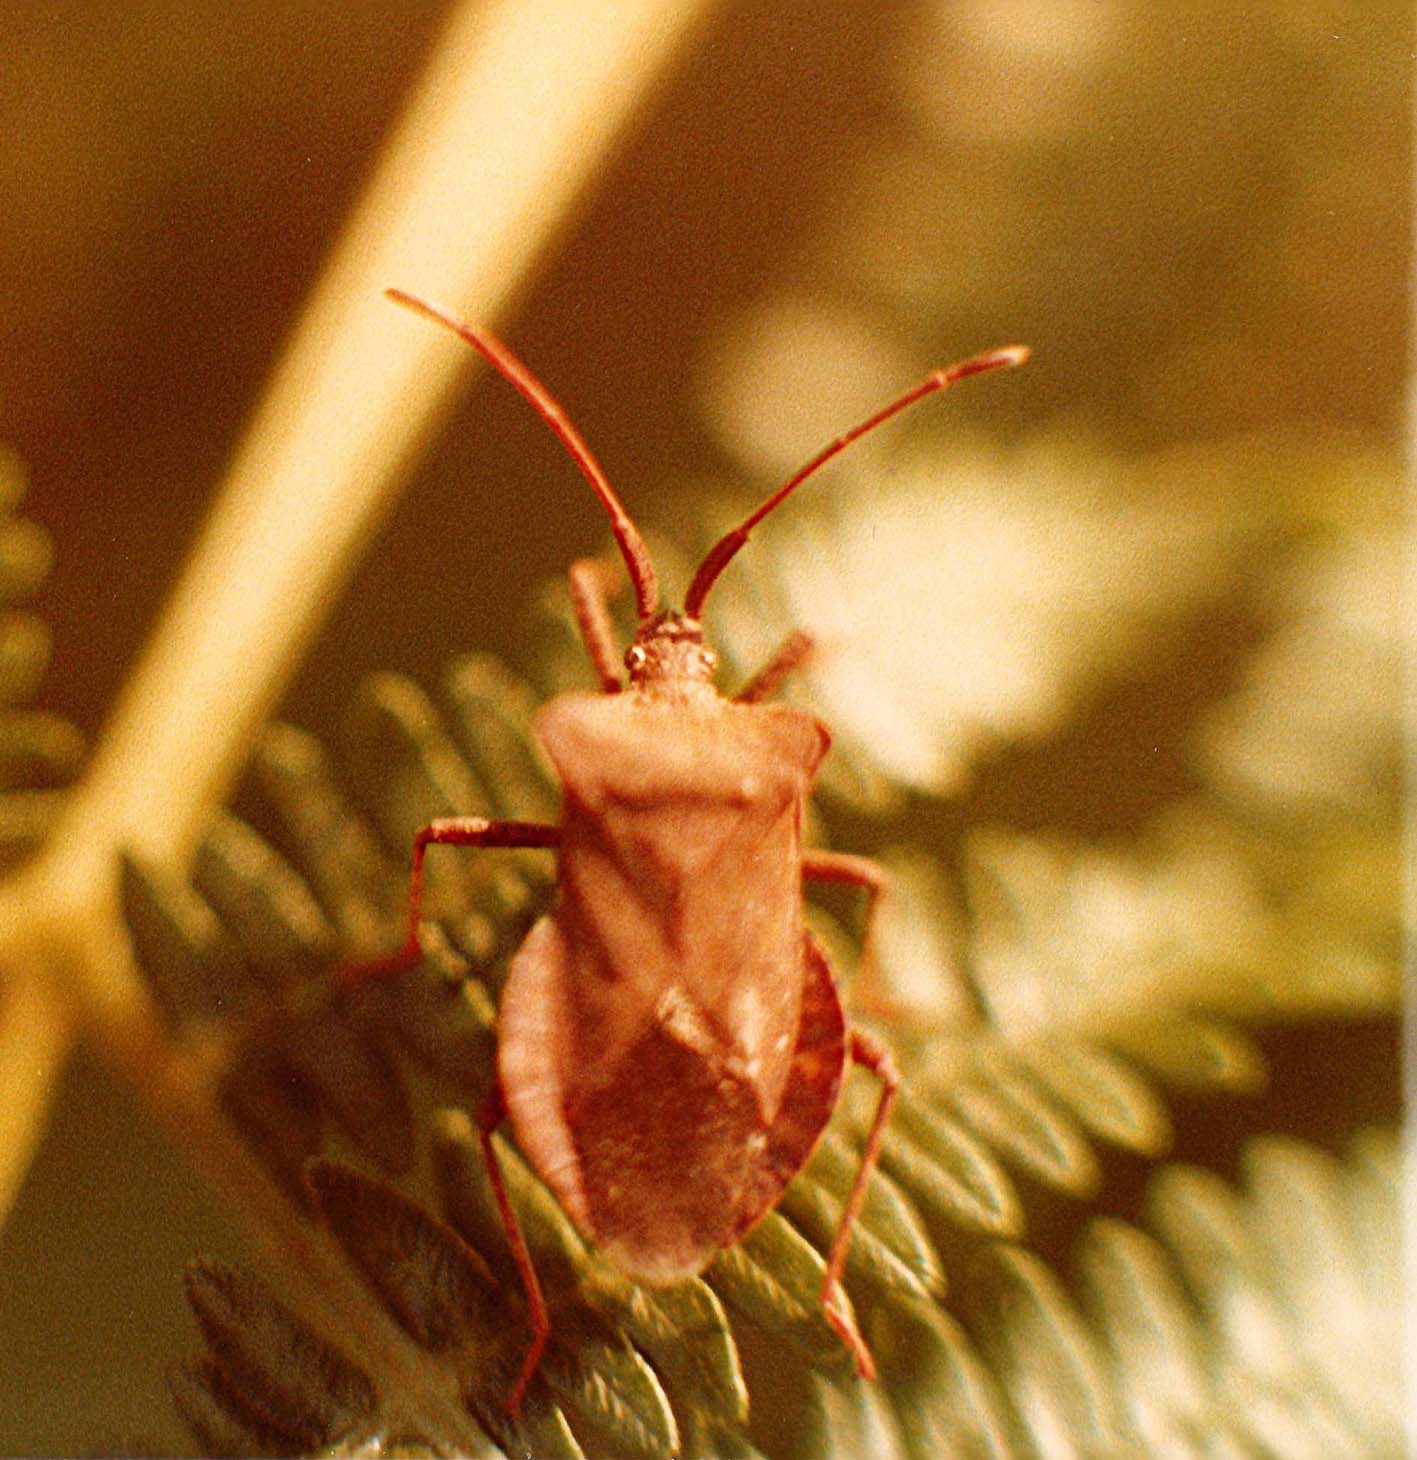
(636, 657)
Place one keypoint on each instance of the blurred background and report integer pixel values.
(1196, 215)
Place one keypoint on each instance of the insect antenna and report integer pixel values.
(506, 364)
(724, 550)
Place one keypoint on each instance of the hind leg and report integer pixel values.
(819, 1061)
(492, 1114)
(876, 1058)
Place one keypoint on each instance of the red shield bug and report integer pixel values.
(671, 1043)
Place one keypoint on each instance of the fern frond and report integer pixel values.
(1080, 993)
(1266, 1317)
(40, 754)
(999, 1109)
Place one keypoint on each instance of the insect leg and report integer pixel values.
(851, 871)
(876, 1058)
(592, 581)
(790, 655)
(489, 1117)
(452, 831)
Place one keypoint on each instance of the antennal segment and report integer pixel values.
(507, 365)
(724, 550)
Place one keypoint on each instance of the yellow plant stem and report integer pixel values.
(34, 1039)
(516, 112)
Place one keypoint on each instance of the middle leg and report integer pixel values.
(845, 869)
(452, 831)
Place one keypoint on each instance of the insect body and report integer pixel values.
(647, 1031)
(671, 1043)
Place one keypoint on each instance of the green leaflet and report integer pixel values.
(1046, 1360)
(948, 1399)
(296, 1382)
(684, 1331)
(1133, 1298)
(831, 1419)
(26, 556)
(490, 712)
(1025, 1129)
(271, 1385)
(438, 1288)
(948, 1171)
(1190, 1052)
(216, 1414)
(1285, 1311)
(890, 1250)
(264, 902)
(24, 656)
(337, 853)
(37, 749)
(194, 967)
(610, 1395)
(774, 1277)
(40, 753)
(1102, 1093)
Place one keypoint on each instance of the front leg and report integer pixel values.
(592, 582)
(452, 831)
(851, 871)
(790, 655)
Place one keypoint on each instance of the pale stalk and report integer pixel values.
(518, 108)
(34, 1038)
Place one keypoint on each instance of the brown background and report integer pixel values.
(171, 174)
